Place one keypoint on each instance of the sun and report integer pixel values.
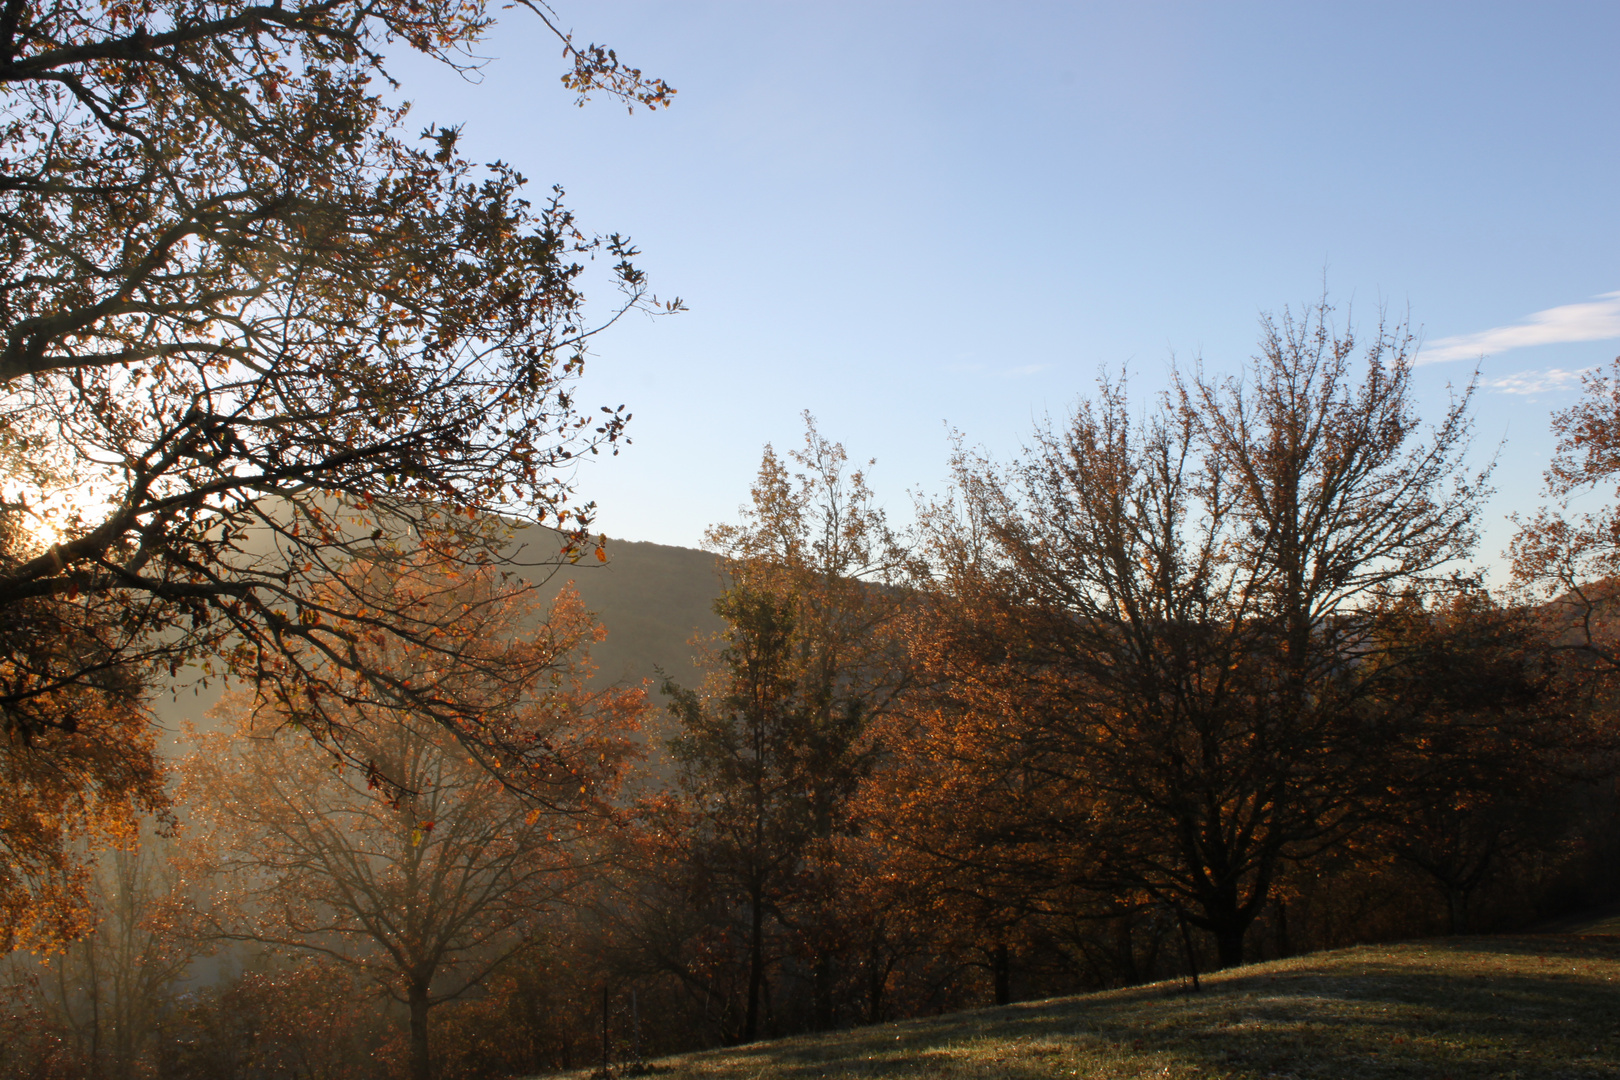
(44, 517)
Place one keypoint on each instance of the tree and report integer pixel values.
(427, 870)
(815, 547)
(1184, 609)
(992, 826)
(742, 755)
(115, 983)
(1573, 558)
(79, 767)
(308, 1018)
(772, 748)
(258, 329)
(36, 1045)
(1478, 784)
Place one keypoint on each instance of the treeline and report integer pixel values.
(1188, 683)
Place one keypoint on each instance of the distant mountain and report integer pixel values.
(652, 598)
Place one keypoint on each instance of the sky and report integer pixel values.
(911, 218)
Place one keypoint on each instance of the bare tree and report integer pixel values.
(1178, 614)
(424, 882)
(113, 985)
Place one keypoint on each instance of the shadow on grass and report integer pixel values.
(1526, 1007)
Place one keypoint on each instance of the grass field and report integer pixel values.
(1545, 1005)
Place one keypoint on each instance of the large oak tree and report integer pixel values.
(251, 326)
(1158, 633)
(250, 322)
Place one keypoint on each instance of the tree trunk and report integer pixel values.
(1186, 943)
(822, 979)
(1456, 911)
(417, 1000)
(1228, 920)
(606, 1049)
(756, 968)
(1002, 967)
(1125, 952)
(877, 977)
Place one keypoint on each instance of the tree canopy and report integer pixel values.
(1158, 637)
(252, 326)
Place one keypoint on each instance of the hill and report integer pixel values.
(1528, 1006)
(652, 598)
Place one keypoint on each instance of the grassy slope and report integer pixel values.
(1529, 1006)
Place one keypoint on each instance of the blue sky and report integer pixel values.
(908, 218)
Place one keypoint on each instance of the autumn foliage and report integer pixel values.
(1175, 688)
(431, 867)
(78, 763)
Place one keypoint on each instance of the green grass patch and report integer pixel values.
(1529, 1006)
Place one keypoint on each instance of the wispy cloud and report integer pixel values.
(1534, 382)
(1595, 320)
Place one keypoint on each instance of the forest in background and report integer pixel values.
(1191, 683)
